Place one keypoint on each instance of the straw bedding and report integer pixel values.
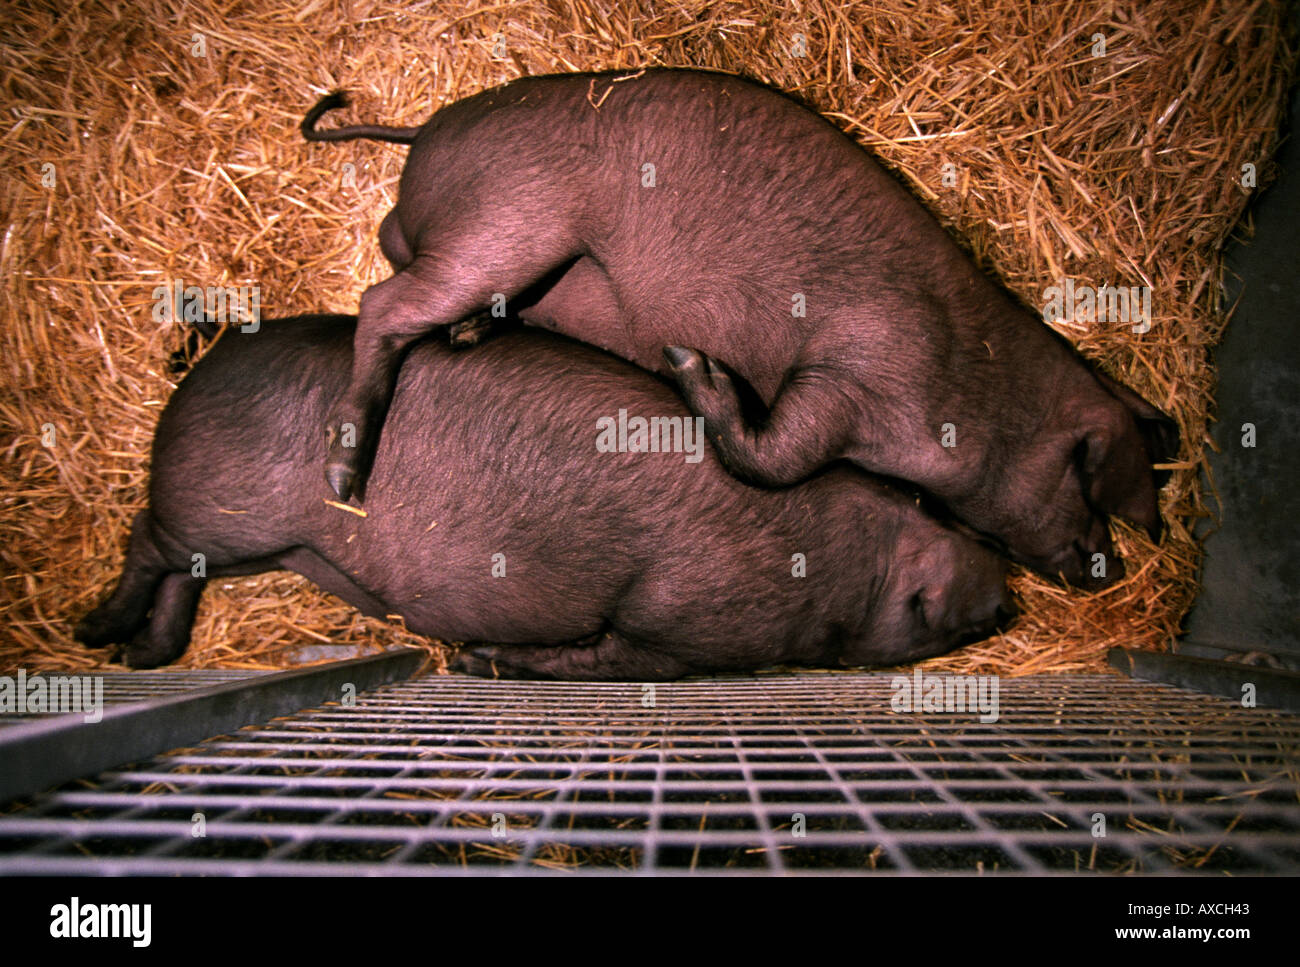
(170, 133)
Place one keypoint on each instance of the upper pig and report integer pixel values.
(684, 218)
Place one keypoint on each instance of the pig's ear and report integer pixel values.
(1159, 432)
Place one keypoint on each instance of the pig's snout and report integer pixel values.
(945, 590)
(1089, 562)
(965, 595)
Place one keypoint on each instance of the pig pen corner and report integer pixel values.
(145, 159)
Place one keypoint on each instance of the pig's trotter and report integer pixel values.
(707, 389)
(118, 619)
(709, 392)
(341, 476)
(101, 628)
(470, 661)
(470, 332)
(168, 633)
(497, 661)
(612, 657)
(346, 435)
(680, 359)
(144, 652)
(810, 423)
(127, 609)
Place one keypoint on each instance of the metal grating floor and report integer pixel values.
(808, 773)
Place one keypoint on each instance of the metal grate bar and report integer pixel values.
(51, 749)
(123, 688)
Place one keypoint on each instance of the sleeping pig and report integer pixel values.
(516, 501)
(677, 217)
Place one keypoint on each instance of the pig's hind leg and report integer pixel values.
(611, 657)
(127, 609)
(167, 635)
(808, 426)
(455, 277)
(152, 608)
(176, 601)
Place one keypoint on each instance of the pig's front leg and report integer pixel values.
(611, 658)
(811, 421)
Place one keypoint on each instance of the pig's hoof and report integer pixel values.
(474, 661)
(93, 633)
(488, 661)
(694, 368)
(342, 479)
(102, 627)
(1089, 580)
(469, 332)
(682, 359)
(1079, 568)
(706, 387)
(145, 652)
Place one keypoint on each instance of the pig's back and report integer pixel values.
(755, 198)
(521, 418)
(490, 507)
(490, 479)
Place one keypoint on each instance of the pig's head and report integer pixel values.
(941, 589)
(1095, 464)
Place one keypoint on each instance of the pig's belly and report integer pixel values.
(458, 603)
(584, 304)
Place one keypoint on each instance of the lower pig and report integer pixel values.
(493, 517)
